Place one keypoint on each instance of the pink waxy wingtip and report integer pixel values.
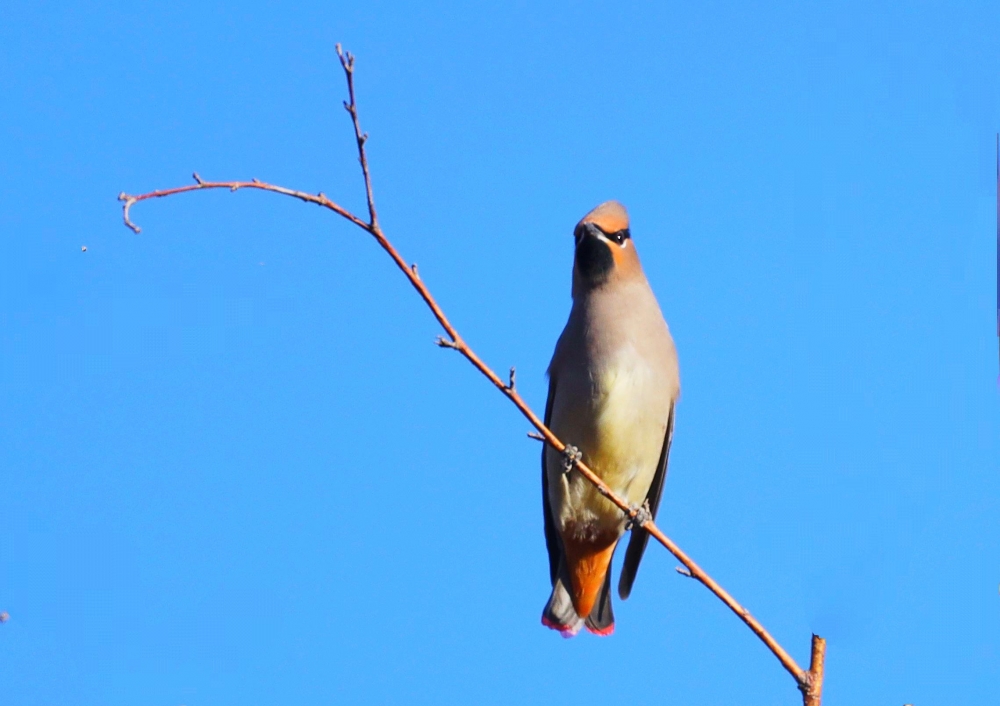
(603, 632)
(565, 630)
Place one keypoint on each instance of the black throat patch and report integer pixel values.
(594, 260)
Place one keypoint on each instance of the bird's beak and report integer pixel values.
(594, 255)
(589, 230)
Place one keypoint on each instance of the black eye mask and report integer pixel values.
(620, 236)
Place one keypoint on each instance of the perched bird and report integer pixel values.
(613, 383)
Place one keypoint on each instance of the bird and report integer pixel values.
(613, 386)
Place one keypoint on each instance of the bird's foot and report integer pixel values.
(642, 515)
(571, 455)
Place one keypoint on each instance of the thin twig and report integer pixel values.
(320, 200)
(347, 61)
(810, 683)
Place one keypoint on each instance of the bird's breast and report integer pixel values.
(628, 423)
(615, 378)
(615, 411)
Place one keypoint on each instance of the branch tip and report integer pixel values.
(512, 380)
(811, 681)
(536, 436)
(346, 58)
(684, 571)
(128, 200)
(351, 106)
(198, 180)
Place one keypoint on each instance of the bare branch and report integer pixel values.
(201, 184)
(810, 683)
(347, 61)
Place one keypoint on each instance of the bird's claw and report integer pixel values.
(571, 455)
(642, 515)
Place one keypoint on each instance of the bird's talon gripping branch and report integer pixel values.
(571, 455)
(640, 516)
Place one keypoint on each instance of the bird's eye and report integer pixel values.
(620, 236)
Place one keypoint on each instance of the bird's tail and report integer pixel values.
(601, 620)
(559, 613)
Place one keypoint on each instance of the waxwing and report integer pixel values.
(613, 384)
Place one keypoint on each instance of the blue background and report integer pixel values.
(235, 470)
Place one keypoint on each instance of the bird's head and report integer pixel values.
(605, 252)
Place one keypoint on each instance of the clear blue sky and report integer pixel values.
(235, 470)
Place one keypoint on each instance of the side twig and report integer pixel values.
(347, 61)
(810, 682)
(319, 199)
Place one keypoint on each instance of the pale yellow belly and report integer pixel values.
(620, 433)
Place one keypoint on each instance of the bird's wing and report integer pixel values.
(637, 543)
(552, 541)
